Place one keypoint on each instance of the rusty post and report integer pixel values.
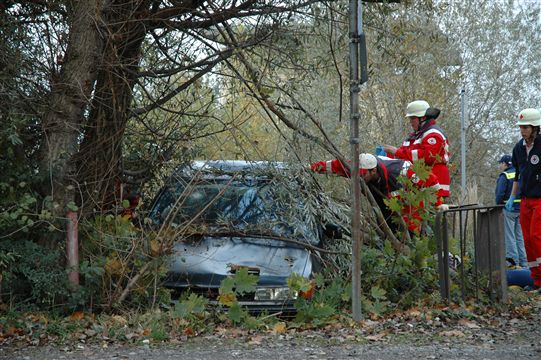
(72, 248)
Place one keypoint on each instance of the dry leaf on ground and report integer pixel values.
(279, 328)
(377, 337)
(468, 323)
(452, 333)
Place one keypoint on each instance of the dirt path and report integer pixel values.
(455, 333)
(304, 349)
(500, 338)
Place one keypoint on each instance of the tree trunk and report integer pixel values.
(100, 158)
(69, 98)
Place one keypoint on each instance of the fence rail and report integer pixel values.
(481, 250)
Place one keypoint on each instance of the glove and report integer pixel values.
(442, 207)
(510, 202)
(380, 151)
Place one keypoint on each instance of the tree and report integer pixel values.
(501, 76)
(99, 65)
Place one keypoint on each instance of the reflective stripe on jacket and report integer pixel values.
(430, 144)
(504, 185)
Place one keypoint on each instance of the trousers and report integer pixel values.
(530, 221)
(514, 242)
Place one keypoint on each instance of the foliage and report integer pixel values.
(375, 303)
(193, 305)
(115, 252)
(231, 288)
(37, 278)
(405, 279)
(325, 302)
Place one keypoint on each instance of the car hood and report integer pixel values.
(205, 262)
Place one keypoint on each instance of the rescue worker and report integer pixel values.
(514, 243)
(427, 142)
(526, 160)
(382, 174)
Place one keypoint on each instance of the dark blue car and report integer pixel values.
(227, 215)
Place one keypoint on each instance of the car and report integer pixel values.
(230, 214)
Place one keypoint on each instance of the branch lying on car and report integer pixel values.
(327, 144)
(262, 235)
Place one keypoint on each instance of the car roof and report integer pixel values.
(235, 165)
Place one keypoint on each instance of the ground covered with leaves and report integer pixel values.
(451, 332)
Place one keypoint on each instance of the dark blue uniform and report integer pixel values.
(504, 185)
(528, 168)
(528, 174)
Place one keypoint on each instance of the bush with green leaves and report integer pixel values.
(319, 300)
(231, 288)
(121, 264)
(37, 278)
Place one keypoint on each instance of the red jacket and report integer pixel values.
(430, 144)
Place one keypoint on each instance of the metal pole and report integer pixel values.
(354, 88)
(463, 145)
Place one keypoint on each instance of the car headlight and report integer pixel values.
(274, 294)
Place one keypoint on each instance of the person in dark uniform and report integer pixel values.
(526, 160)
(514, 242)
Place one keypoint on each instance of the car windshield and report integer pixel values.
(246, 205)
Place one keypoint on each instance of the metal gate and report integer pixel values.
(479, 235)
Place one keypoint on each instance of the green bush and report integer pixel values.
(37, 278)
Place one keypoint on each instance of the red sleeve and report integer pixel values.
(431, 181)
(332, 166)
(431, 149)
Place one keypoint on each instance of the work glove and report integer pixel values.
(510, 202)
(380, 151)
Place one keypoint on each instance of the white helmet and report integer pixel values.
(529, 117)
(417, 108)
(367, 161)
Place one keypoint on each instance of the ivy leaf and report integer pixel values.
(393, 204)
(346, 294)
(227, 285)
(322, 311)
(228, 299)
(245, 283)
(388, 249)
(377, 293)
(235, 313)
(298, 282)
(194, 304)
(71, 206)
(379, 307)
(421, 169)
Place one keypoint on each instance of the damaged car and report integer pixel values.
(228, 215)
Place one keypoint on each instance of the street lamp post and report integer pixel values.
(463, 145)
(357, 59)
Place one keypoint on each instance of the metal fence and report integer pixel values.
(472, 235)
